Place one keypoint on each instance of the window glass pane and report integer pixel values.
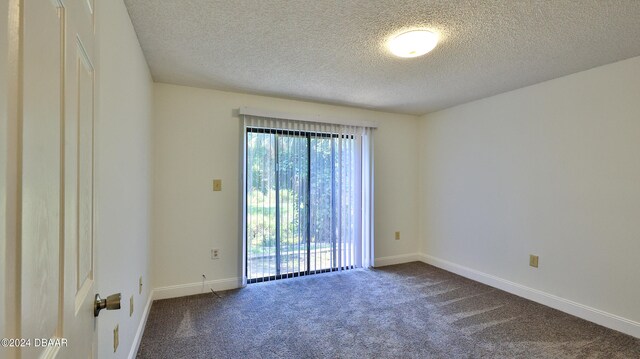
(293, 182)
(261, 205)
(322, 214)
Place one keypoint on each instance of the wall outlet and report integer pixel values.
(131, 306)
(116, 338)
(217, 185)
(140, 285)
(398, 236)
(215, 253)
(533, 260)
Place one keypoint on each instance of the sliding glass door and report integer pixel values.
(298, 203)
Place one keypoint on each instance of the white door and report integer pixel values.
(41, 274)
(79, 279)
(56, 280)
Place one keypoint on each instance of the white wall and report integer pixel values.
(197, 138)
(123, 174)
(551, 169)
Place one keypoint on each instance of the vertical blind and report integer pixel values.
(308, 203)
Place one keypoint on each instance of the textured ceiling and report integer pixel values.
(334, 51)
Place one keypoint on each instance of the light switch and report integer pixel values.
(131, 306)
(533, 260)
(397, 236)
(217, 185)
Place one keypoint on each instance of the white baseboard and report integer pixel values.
(143, 323)
(402, 258)
(181, 290)
(594, 315)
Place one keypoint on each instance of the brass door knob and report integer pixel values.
(112, 302)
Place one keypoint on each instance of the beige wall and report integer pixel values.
(551, 169)
(123, 174)
(197, 138)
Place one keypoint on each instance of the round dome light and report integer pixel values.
(413, 43)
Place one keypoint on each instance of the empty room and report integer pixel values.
(319, 179)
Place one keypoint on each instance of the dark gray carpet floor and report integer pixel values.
(409, 310)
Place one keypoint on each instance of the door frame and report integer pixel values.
(10, 163)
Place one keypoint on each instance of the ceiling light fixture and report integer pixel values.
(413, 43)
